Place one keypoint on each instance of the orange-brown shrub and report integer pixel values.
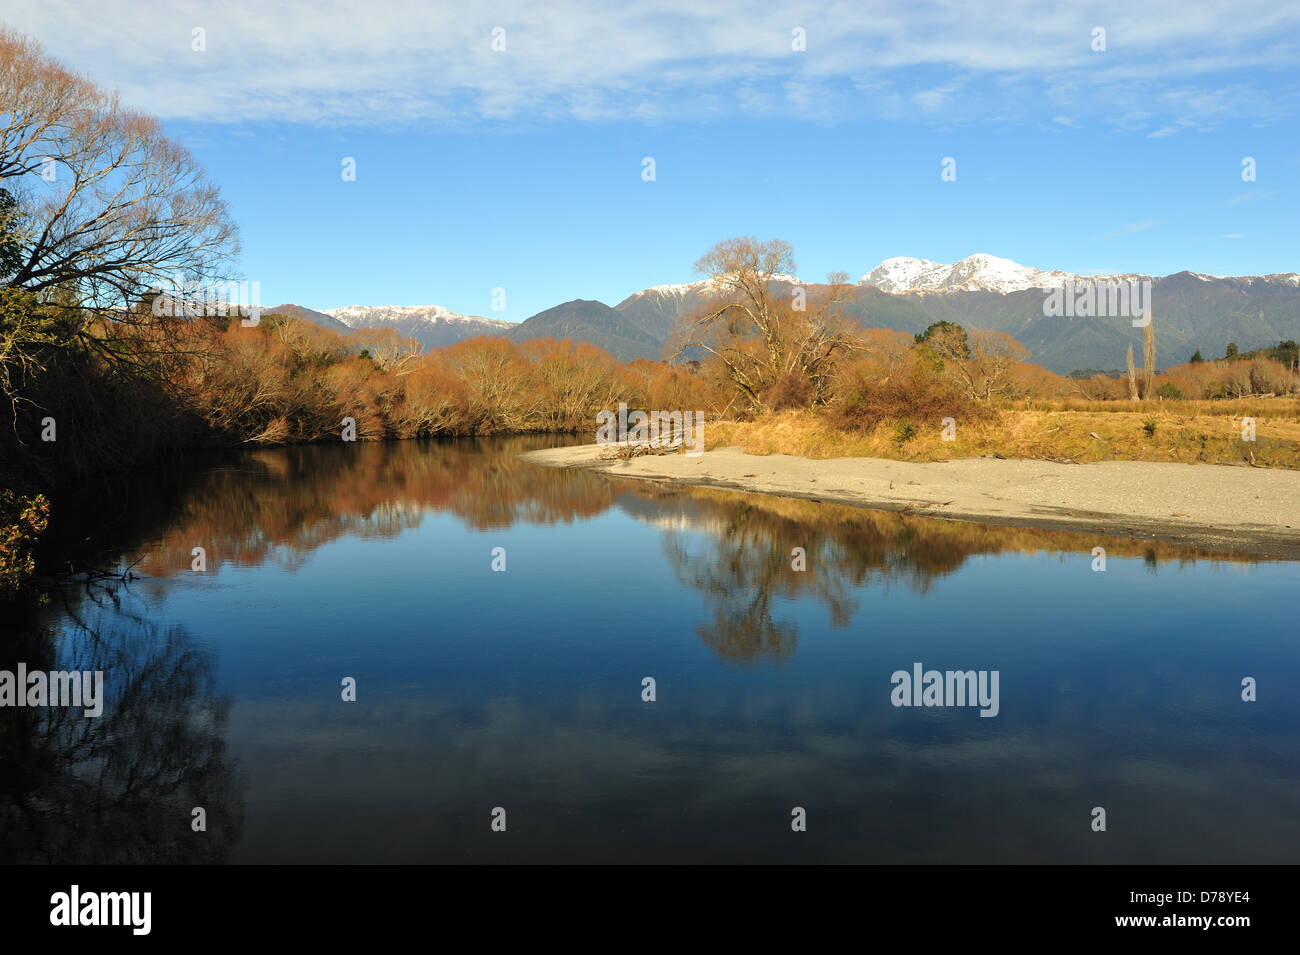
(912, 388)
(790, 390)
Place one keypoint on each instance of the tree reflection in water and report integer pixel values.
(118, 788)
(737, 550)
(121, 788)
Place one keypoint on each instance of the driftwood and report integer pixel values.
(616, 452)
(90, 574)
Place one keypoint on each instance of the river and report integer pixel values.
(497, 623)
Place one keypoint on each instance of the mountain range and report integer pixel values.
(1192, 311)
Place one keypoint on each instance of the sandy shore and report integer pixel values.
(1255, 510)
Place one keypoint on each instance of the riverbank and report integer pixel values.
(1254, 510)
(1264, 432)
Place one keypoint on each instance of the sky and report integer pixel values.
(503, 146)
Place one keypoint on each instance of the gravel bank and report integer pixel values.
(1212, 506)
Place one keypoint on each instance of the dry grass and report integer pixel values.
(1280, 409)
(1186, 432)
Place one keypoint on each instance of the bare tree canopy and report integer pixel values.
(981, 363)
(774, 343)
(105, 206)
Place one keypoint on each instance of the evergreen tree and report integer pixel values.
(953, 334)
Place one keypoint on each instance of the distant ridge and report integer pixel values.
(975, 273)
(1192, 310)
(982, 272)
(431, 325)
(307, 315)
(625, 337)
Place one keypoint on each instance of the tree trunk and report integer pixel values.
(1148, 356)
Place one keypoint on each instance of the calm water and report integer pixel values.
(523, 689)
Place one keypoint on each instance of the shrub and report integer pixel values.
(1269, 377)
(22, 519)
(790, 390)
(1236, 380)
(904, 431)
(1169, 391)
(910, 389)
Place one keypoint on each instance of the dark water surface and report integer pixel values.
(523, 690)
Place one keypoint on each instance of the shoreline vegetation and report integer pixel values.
(100, 211)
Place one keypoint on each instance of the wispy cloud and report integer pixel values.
(1166, 65)
(1249, 197)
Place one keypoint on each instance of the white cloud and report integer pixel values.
(402, 61)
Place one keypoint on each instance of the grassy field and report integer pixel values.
(1180, 431)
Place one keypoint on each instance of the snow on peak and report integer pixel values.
(704, 285)
(356, 316)
(1289, 278)
(901, 274)
(978, 272)
(680, 289)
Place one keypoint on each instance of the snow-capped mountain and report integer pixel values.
(657, 308)
(1193, 311)
(431, 325)
(680, 290)
(975, 273)
(702, 285)
(686, 290)
(1286, 278)
(368, 316)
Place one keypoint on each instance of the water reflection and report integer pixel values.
(479, 689)
(279, 506)
(119, 788)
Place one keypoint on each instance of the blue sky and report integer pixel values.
(522, 168)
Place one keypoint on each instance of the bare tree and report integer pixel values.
(763, 338)
(982, 363)
(389, 349)
(107, 207)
